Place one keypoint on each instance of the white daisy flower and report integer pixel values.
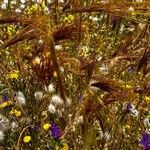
(20, 98)
(51, 108)
(56, 100)
(4, 123)
(14, 125)
(38, 95)
(58, 47)
(51, 88)
(3, 6)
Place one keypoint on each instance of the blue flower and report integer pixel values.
(145, 141)
(55, 131)
(5, 97)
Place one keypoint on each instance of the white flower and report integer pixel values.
(61, 68)
(51, 88)
(4, 123)
(1, 135)
(38, 95)
(18, 10)
(68, 101)
(5, 1)
(22, 1)
(39, 1)
(141, 25)
(58, 47)
(14, 125)
(99, 58)
(104, 69)
(146, 122)
(3, 6)
(20, 98)
(131, 9)
(22, 6)
(56, 100)
(134, 112)
(51, 108)
(79, 120)
(13, 2)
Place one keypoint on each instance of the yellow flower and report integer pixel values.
(13, 75)
(15, 112)
(4, 104)
(64, 147)
(37, 60)
(46, 126)
(27, 139)
(147, 98)
(128, 86)
(127, 126)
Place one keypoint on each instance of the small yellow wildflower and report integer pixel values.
(147, 98)
(46, 126)
(5, 104)
(13, 75)
(37, 60)
(127, 126)
(27, 139)
(69, 18)
(64, 147)
(15, 112)
(128, 86)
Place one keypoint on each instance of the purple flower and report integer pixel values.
(131, 69)
(55, 131)
(5, 97)
(145, 141)
(129, 107)
(114, 21)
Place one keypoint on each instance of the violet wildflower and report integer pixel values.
(129, 107)
(55, 131)
(130, 69)
(145, 141)
(114, 21)
(5, 97)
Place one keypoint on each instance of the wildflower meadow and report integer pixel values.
(74, 75)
